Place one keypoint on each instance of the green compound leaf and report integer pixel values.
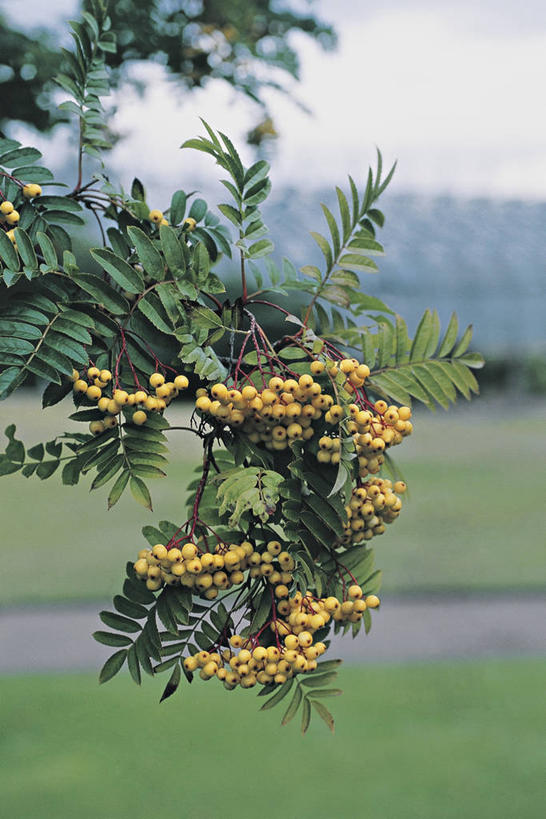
(112, 665)
(278, 696)
(140, 492)
(149, 256)
(292, 709)
(108, 638)
(305, 715)
(324, 714)
(122, 273)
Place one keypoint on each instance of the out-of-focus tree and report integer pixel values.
(246, 43)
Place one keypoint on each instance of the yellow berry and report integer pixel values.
(96, 427)
(113, 408)
(6, 207)
(80, 385)
(155, 216)
(219, 392)
(139, 418)
(372, 601)
(13, 217)
(160, 551)
(94, 393)
(190, 223)
(181, 382)
(156, 380)
(30, 190)
(141, 567)
(203, 403)
(189, 551)
(190, 664)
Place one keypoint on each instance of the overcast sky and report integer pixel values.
(454, 90)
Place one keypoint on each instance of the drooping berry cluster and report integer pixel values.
(295, 650)
(190, 564)
(204, 572)
(290, 409)
(97, 387)
(372, 505)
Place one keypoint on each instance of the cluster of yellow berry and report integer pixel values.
(387, 427)
(289, 410)
(295, 651)
(205, 572)
(371, 506)
(276, 566)
(156, 216)
(10, 216)
(372, 433)
(282, 412)
(97, 381)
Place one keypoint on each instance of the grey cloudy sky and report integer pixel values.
(451, 89)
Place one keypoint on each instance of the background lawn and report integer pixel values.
(474, 520)
(438, 741)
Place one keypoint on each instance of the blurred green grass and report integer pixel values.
(418, 741)
(474, 520)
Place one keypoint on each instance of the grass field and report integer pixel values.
(474, 520)
(412, 742)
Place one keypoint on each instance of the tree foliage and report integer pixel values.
(297, 429)
(247, 45)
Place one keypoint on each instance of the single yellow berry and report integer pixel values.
(30, 190)
(190, 664)
(120, 397)
(13, 217)
(96, 427)
(139, 418)
(189, 551)
(94, 393)
(181, 382)
(141, 567)
(80, 385)
(155, 216)
(6, 207)
(160, 551)
(156, 380)
(372, 601)
(189, 223)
